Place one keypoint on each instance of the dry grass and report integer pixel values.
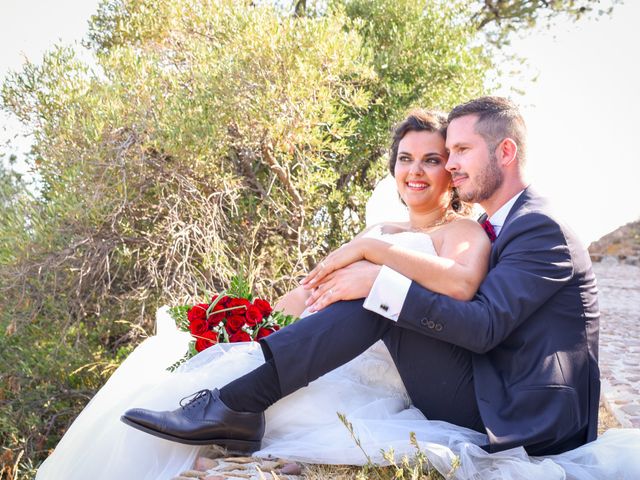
(606, 420)
(338, 472)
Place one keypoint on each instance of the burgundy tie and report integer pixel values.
(489, 229)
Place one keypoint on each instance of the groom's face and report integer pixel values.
(473, 165)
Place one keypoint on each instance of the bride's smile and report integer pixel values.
(417, 185)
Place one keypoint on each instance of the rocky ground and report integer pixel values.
(623, 243)
(215, 466)
(619, 286)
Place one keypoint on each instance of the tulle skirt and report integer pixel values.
(305, 425)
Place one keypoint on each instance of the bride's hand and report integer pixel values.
(345, 255)
(349, 283)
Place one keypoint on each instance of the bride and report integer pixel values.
(368, 390)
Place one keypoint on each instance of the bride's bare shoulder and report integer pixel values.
(461, 228)
(465, 223)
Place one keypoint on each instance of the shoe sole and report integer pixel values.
(232, 445)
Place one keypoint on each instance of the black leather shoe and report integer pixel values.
(203, 420)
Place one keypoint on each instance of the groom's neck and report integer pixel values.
(504, 193)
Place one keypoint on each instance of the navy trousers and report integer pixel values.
(438, 376)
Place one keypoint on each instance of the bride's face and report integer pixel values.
(421, 178)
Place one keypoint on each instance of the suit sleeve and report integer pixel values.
(534, 262)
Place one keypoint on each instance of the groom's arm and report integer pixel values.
(534, 263)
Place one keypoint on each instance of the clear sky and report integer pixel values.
(582, 111)
(583, 117)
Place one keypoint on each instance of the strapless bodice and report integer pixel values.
(418, 241)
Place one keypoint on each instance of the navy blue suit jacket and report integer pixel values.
(533, 330)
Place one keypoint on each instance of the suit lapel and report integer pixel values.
(524, 197)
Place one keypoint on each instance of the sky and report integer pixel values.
(583, 117)
(582, 111)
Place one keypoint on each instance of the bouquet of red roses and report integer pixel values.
(232, 316)
(230, 319)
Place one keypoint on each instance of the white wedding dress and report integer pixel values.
(303, 426)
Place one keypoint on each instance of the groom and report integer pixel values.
(518, 362)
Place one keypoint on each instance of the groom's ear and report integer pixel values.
(507, 152)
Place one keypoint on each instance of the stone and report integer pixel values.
(632, 261)
(193, 474)
(608, 260)
(615, 382)
(204, 463)
(267, 465)
(213, 451)
(631, 409)
(242, 459)
(266, 475)
(230, 467)
(291, 469)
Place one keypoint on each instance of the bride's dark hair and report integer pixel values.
(422, 120)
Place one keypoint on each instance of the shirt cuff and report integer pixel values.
(388, 293)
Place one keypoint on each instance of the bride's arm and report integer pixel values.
(461, 264)
(294, 301)
(457, 270)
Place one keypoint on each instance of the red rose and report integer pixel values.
(235, 323)
(198, 312)
(223, 301)
(264, 332)
(205, 340)
(240, 336)
(198, 326)
(238, 302)
(253, 316)
(215, 318)
(263, 306)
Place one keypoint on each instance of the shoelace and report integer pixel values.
(195, 398)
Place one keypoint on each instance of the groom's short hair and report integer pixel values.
(498, 118)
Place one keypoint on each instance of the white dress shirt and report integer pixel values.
(390, 288)
(498, 218)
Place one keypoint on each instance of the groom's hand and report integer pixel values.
(349, 283)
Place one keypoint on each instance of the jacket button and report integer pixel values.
(438, 327)
(431, 324)
(423, 322)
